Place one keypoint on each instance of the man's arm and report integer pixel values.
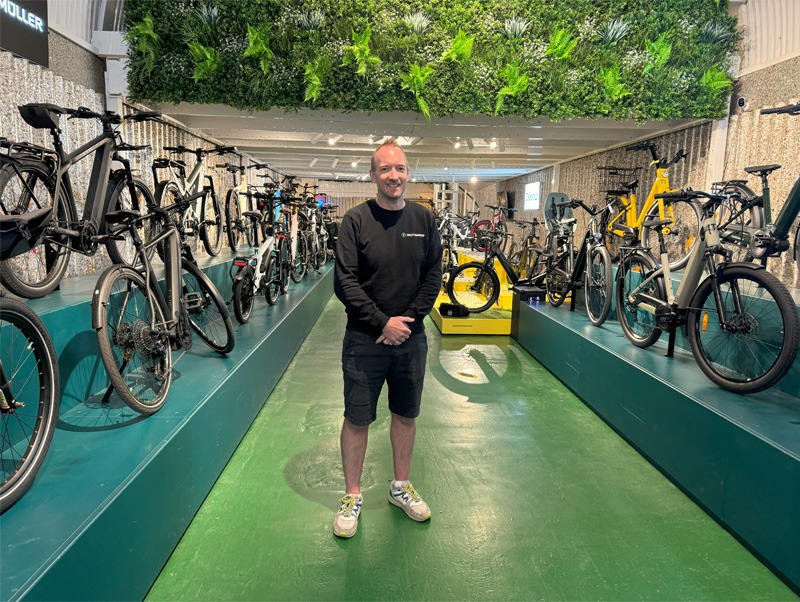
(430, 278)
(346, 285)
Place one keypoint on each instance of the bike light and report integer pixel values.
(239, 263)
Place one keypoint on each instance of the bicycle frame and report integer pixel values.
(631, 219)
(192, 185)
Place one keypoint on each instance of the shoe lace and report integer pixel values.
(349, 505)
(413, 496)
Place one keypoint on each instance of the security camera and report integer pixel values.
(741, 102)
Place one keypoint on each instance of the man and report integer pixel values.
(388, 275)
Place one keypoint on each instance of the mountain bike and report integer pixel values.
(745, 219)
(138, 324)
(29, 377)
(680, 219)
(34, 177)
(591, 269)
(495, 224)
(476, 285)
(740, 320)
(202, 219)
(265, 271)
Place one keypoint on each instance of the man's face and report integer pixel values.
(390, 173)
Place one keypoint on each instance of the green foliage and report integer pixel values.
(359, 53)
(659, 52)
(460, 50)
(144, 40)
(516, 84)
(561, 44)
(206, 60)
(257, 48)
(414, 81)
(581, 58)
(716, 81)
(313, 77)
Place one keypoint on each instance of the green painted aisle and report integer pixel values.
(533, 497)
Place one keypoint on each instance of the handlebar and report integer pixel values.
(660, 163)
(790, 109)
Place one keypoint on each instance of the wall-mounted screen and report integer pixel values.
(533, 192)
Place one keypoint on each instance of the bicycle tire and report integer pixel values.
(473, 286)
(138, 362)
(318, 252)
(735, 230)
(557, 285)
(638, 326)
(211, 225)
(299, 265)
(168, 193)
(684, 232)
(598, 285)
(123, 252)
(234, 225)
(243, 297)
(755, 348)
(284, 261)
(272, 290)
(29, 364)
(39, 271)
(212, 320)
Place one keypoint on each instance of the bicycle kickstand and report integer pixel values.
(671, 341)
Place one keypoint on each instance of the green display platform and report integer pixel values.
(117, 491)
(737, 456)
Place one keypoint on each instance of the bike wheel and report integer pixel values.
(273, 276)
(299, 265)
(737, 220)
(132, 196)
(682, 234)
(598, 287)
(243, 297)
(479, 233)
(757, 343)
(557, 284)
(24, 188)
(211, 319)
(167, 194)
(29, 397)
(285, 262)
(474, 286)
(211, 225)
(638, 325)
(234, 222)
(137, 358)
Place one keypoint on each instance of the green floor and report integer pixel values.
(533, 497)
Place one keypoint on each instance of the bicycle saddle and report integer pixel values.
(762, 170)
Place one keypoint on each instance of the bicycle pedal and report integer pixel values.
(193, 300)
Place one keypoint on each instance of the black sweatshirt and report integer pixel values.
(388, 263)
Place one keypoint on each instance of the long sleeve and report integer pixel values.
(431, 277)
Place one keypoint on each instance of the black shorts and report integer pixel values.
(367, 365)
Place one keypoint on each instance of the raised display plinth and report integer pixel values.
(737, 456)
(117, 490)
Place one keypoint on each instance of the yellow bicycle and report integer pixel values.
(624, 224)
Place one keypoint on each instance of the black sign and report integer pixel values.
(23, 29)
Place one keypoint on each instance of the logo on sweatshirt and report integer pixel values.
(412, 234)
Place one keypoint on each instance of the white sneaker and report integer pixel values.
(410, 501)
(346, 521)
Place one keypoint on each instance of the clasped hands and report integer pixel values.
(396, 331)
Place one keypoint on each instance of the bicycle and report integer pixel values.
(29, 377)
(740, 320)
(34, 177)
(591, 268)
(460, 227)
(525, 259)
(680, 219)
(202, 219)
(497, 223)
(476, 284)
(745, 219)
(138, 324)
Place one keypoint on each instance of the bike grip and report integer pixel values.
(175, 149)
(681, 194)
(636, 147)
(144, 115)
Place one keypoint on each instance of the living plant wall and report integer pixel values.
(621, 59)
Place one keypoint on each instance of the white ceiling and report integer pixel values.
(297, 142)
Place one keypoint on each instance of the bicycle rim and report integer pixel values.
(558, 285)
(598, 285)
(38, 272)
(29, 376)
(272, 290)
(638, 325)
(211, 226)
(138, 361)
(757, 344)
(123, 252)
(299, 265)
(473, 286)
(233, 220)
(211, 320)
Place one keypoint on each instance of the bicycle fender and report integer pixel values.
(242, 273)
(98, 309)
(745, 264)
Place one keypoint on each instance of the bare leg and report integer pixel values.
(353, 443)
(403, 431)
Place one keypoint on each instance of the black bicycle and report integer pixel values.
(34, 177)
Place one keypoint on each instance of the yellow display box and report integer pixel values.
(493, 321)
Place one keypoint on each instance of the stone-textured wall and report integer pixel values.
(76, 64)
